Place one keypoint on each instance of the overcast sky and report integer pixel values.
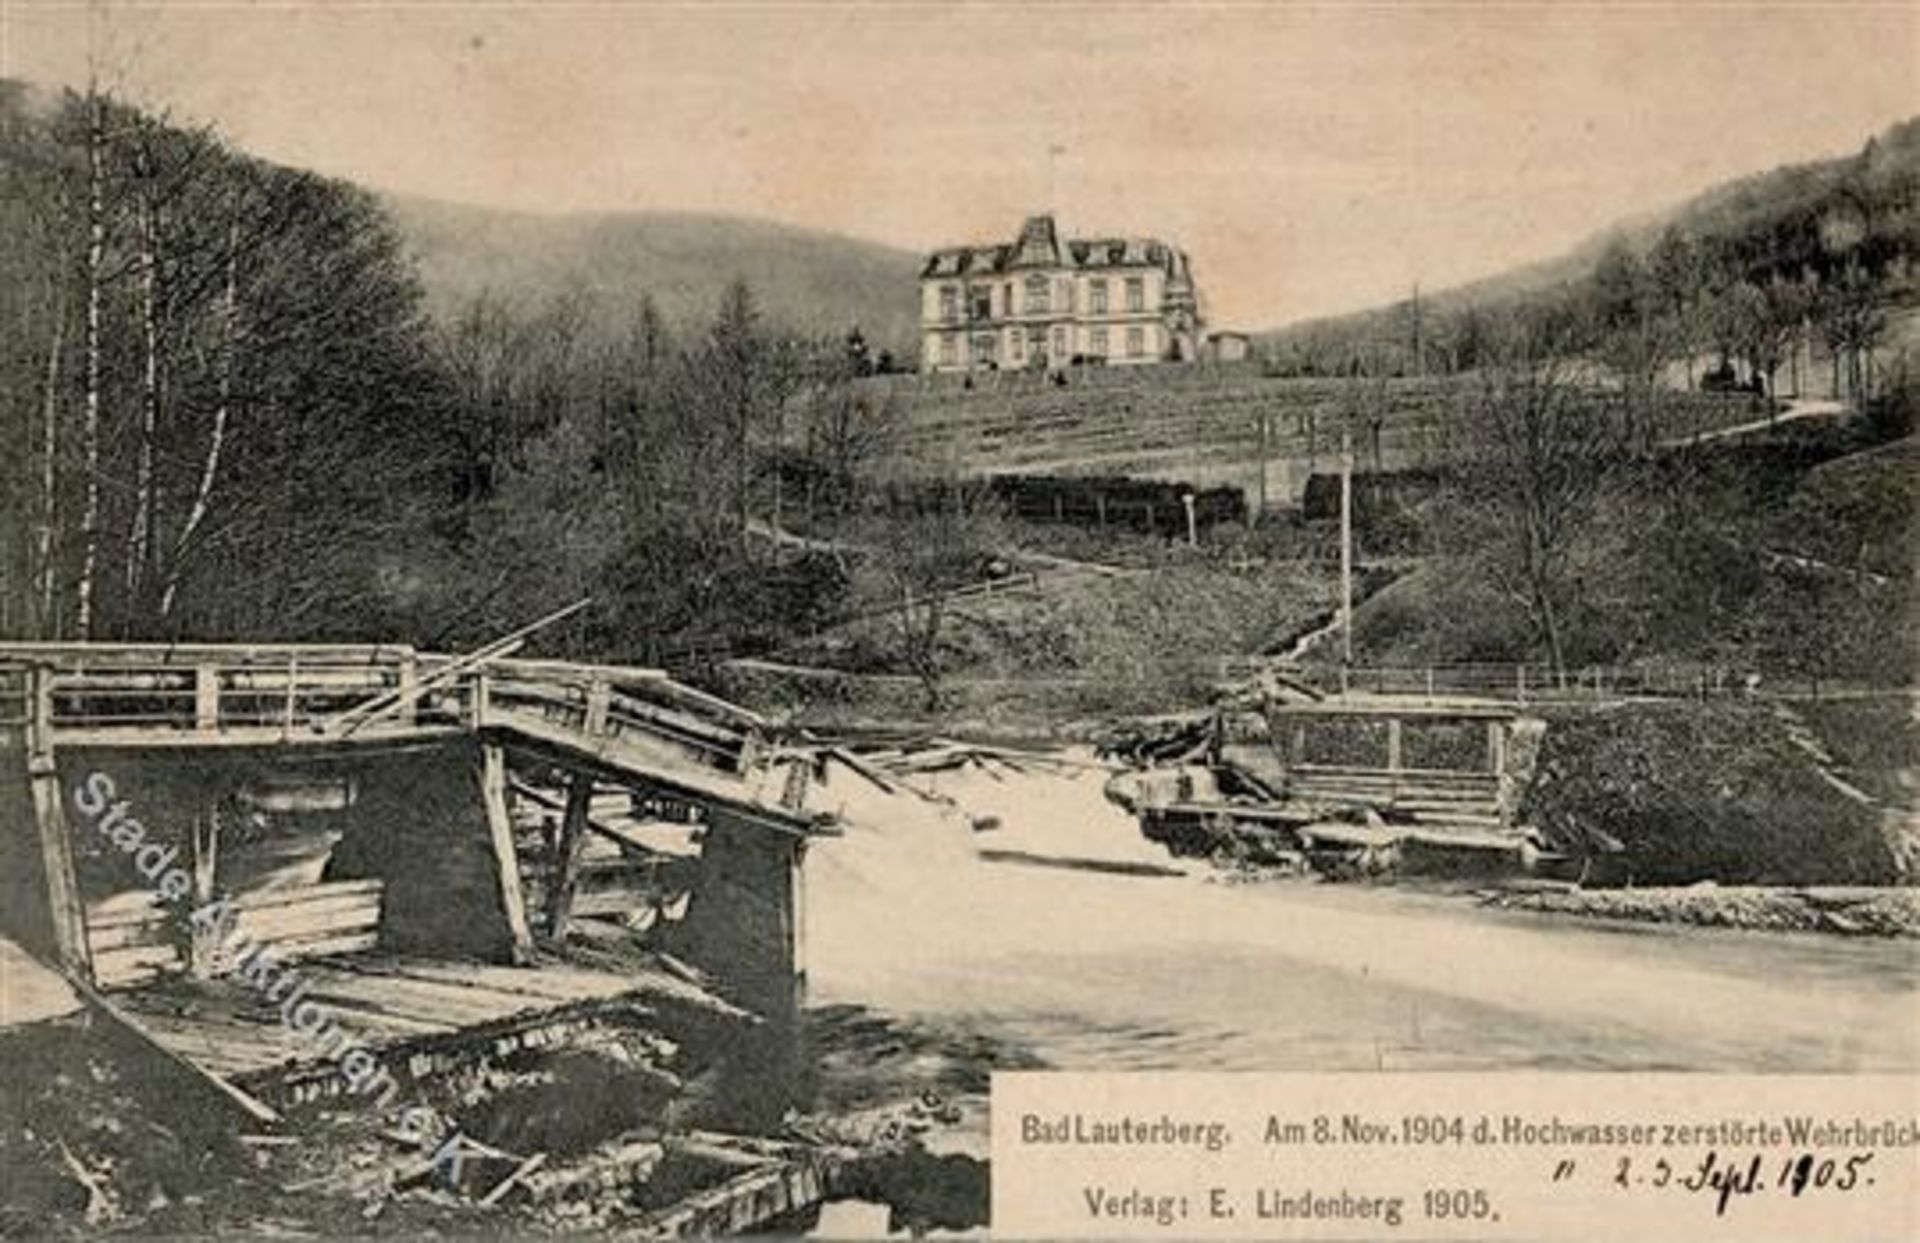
(1311, 159)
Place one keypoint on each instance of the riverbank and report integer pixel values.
(1850, 912)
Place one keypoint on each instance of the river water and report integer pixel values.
(1095, 970)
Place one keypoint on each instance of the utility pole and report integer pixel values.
(1346, 544)
(1266, 433)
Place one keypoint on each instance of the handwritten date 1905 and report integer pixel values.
(1727, 1177)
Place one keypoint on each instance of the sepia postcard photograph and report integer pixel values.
(853, 620)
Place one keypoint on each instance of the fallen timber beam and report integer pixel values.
(506, 861)
(663, 985)
(352, 719)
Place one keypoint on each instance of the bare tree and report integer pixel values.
(927, 556)
(209, 474)
(90, 425)
(1544, 452)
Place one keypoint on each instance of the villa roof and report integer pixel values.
(1039, 246)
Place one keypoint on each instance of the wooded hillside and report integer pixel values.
(1826, 247)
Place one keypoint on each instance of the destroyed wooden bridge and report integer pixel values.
(466, 859)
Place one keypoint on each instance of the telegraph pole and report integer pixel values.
(1346, 544)
(1266, 434)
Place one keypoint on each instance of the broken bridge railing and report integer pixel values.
(209, 694)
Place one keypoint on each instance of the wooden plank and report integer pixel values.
(409, 1003)
(552, 982)
(263, 899)
(128, 936)
(482, 999)
(506, 861)
(319, 916)
(117, 968)
(118, 911)
(318, 945)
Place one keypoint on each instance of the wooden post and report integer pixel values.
(599, 697)
(1346, 544)
(206, 698)
(1100, 507)
(409, 710)
(566, 858)
(477, 706)
(66, 915)
(293, 680)
(203, 951)
(1497, 747)
(506, 861)
(1266, 452)
(1393, 743)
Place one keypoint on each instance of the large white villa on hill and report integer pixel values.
(1042, 302)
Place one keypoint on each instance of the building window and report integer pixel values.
(980, 302)
(948, 348)
(949, 303)
(1136, 294)
(1097, 342)
(1097, 295)
(1064, 295)
(1037, 344)
(1036, 294)
(983, 348)
(1136, 343)
(1016, 346)
(1059, 341)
